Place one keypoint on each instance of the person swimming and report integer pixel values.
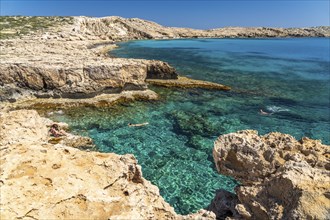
(272, 110)
(137, 125)
(264, 113)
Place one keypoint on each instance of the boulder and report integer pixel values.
(160, 70)
(281, 178)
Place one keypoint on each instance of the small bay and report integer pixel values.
(288, 78)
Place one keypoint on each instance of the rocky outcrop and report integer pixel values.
(71, 70)
(265, 32)
(104, 100)
(185, 82)
(42, 180)
(282, 178)
(118, 28)
(223, 205)
(160, 70)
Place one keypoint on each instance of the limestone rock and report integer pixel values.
(223, 205)
(20, 127)
(199, 215)
(104, 100)
(40, 180)
(282, 178)
(72, 141)
(70, 69)
(160, 70)
(75, 80)
(118, 28)
(185, 82)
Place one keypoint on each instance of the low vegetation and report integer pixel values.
(15, 26)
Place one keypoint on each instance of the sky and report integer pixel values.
(184, 13)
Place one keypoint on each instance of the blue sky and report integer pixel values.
(184, 13)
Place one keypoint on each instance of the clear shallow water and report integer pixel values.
(288, 77)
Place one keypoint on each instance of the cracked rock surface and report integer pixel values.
(41, 180)
(282, 178)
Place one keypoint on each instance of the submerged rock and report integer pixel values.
(192, 124)
(282, 178)
(185, 82)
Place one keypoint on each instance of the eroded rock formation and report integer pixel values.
(60, 68)
(118, 28)
(55, 181)
(184, 82)
(103, 100)
(282, 178)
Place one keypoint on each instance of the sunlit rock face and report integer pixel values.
(56, 181)
(281, 177)
(118, 28)
(79, 74)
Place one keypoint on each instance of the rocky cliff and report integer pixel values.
(282, 178)
(61, 68)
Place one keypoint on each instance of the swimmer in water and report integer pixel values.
(137, 125)
(264, 113)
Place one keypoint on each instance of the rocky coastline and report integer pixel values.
(69, 60)
(66, 65)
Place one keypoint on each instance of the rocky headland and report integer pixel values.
(65, 64)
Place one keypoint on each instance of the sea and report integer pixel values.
(289, 78)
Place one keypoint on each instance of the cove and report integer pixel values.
(288, 78)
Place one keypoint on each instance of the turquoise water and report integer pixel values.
(289, 78)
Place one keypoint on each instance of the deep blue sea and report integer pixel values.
(288, 78)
